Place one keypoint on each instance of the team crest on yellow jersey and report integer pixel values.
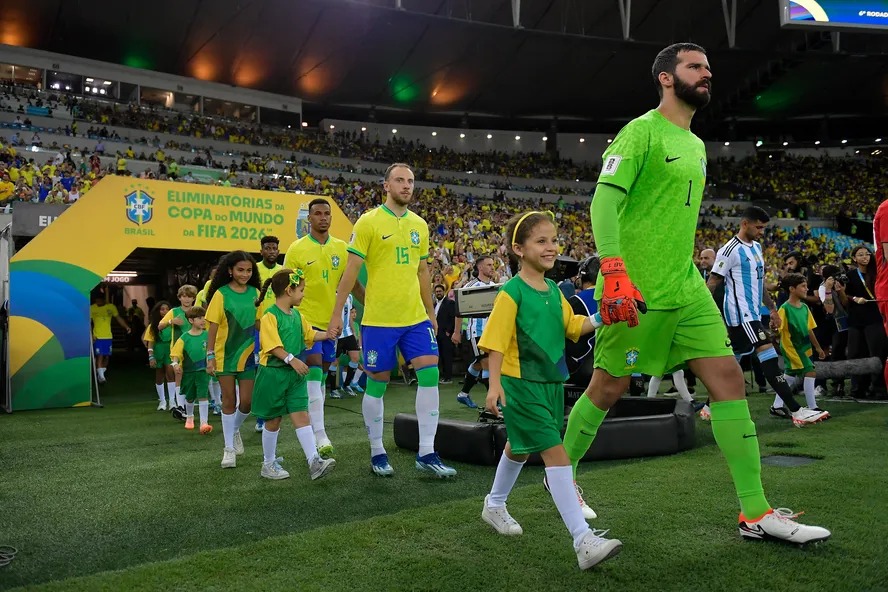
(414, 237)
(334, 261)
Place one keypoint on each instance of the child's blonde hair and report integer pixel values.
(187, 290)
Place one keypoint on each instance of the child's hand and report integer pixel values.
(211, 367)
(152, 363)
(821, 354)
(495, 395)
(299, 366)
(177, 321)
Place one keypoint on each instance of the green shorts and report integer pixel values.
(279, 392)
(798, 365)
(533, 414)
(162, 354)
(248, 374)
(663, 340)
(195, 386)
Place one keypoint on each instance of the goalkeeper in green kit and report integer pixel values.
(644, 218)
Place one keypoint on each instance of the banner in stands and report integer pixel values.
(52, 276)
(31, 218)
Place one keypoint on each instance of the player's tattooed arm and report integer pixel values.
(714, 281)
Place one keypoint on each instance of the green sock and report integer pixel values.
(736, 436)
(582, 425)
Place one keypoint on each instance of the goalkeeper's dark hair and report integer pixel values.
(223, 272)
(755, 214)
(667, 60)
(277, 283)
(793, 280)
(520, 226)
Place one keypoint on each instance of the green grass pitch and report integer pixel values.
(124, 498)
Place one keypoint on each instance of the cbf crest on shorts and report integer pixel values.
(139, 207)
(372, 356)
(631, 357)
(414, 237)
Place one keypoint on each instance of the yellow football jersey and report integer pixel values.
(323, 266)
(264, 274)
(392, 248)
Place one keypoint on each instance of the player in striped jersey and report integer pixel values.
(740, 265)
(348, 344)
(478, 368)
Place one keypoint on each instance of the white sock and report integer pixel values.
(790, 380)
(269, 445)
(160, 395)
(809, 392)
(372, 408)
(427, 417)
(678, 378)
(171, 393)
(239, 418)
(216, 392)
(236, 394)
(101, 373)
(189, 409)
(357, 377)
(654, 386)
(204, 410)
(316, 410)
(507, 472)
(180, 398)
(308, 442)
(228, 429)
(561, 486)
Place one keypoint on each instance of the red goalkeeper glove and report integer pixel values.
(621, 300)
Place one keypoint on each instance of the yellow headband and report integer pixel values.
(524, 217)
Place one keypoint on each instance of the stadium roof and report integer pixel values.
(440, 59)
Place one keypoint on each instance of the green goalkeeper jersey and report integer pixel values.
(662, 169)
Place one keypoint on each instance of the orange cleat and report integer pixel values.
(189, 423)
(206, 428)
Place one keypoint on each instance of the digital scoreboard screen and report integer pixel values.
(835, 14)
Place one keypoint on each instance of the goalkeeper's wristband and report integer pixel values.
(611, 265)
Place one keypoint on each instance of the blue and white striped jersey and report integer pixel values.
(743, 267)
(347, 329)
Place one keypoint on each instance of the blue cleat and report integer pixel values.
(260, 423)
(356, 387)
(380, 465)
(466, 400)
(431, 463)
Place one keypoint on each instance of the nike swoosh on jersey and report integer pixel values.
(385, 236)
(672, 159)
(749, 436)
(310, 262)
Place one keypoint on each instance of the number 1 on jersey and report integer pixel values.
(690, 186)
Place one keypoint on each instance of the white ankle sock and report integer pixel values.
(308, 442)
(372, 409)
(171, 393)
(204, 410)
(269, 445)
(228, 429)
(507, 472)
(810, 385)
(160, 395)
(189, 409)
(239, 418)
(216, 392)
(316, 410)
(654, 386)
(427, 400)
(561, 486)
(678, 379)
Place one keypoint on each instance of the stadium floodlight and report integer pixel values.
(394, 131)
(434, 133)
(90, 80)
(844, 141)
(878, 139)
(363, 129)
(304, 124)
(489, 136)
(817, 143)
(727, 143)
(758, 144)
(786, 143)
(545, 138)
(609, 140)
(582, 140)
(88, 89)
(517, 137)
(461, 136)
(332, 126)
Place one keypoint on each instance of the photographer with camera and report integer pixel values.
(866, 335)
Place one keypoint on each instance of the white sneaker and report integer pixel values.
(162, 406)
(320, 467)
(805, 416)
(588, 513)
(778, 525)
(238, 443)
(594, 548)
(229, 458)
(500, 519)
(274, 470)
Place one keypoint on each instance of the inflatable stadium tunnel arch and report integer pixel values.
(51, 277)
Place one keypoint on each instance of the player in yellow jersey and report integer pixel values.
(322, 259)
(268, 266)
(100, 315)
(393, 243)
